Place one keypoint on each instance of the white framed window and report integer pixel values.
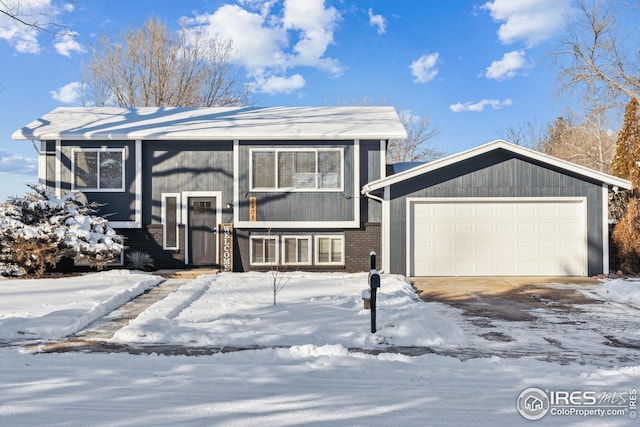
(263, 250)
(329, 250)
(297, 169)
(296, 250)
(170, 210)
(97, 169)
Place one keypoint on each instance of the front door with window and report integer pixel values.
(202, 231)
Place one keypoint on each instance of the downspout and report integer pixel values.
(368, 195)
(33, 144)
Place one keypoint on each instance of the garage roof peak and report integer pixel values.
(499, 144)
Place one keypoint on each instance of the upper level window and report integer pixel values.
(297, 169)
(98, 170)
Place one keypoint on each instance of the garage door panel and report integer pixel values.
(538, 237)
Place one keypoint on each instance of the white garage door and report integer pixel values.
(517, 237)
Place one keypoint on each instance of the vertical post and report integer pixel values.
(373, 310)
(374, 283)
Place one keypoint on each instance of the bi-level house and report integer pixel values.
(246, 188)
(307, 188)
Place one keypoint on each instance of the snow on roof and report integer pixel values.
(224, 123)
(604, 178)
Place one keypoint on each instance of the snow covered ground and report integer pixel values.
(55, 308)
(309, 378)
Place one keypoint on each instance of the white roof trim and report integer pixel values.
(215, 124)
(494, 145)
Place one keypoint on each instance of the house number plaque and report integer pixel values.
(252, 209)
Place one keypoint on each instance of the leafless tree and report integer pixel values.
(152, 66)
(598, 56)
(526, 134)
(419, 143)
(588, 143)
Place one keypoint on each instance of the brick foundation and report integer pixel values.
(149, 240)
(358, 243)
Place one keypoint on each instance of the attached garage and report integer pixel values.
(499, 209)
(503, 237)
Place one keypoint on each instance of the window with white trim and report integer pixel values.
(329, 250)
(296, 250)
(297, 169)
(97, 169)
(264, 250)
(170, 209)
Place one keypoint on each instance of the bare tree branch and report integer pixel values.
(596, 57)
(419, 143)
(14, 10)
(152, 66)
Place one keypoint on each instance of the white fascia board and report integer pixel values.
(213, 138)
(494, 145)
(303, 225)
(125, 224)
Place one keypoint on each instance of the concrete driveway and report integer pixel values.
(506, 298)
(560, 319)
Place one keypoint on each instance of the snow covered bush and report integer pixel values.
(39, 229)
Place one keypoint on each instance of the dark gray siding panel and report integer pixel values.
(50, 169)
(176, 166)
(117, 206)
(297, 206)
(497, 174)
(370, 163)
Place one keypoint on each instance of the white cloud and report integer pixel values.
(274, 84)
(314, 26)
(264, 6)
(377, 21)
(68, 43)
(68, 94)
(424, 68)
(531, 21)
(496, 104)
(269, 42)
(258, 45)
(24, 38)
(506, 67)
(12, 163)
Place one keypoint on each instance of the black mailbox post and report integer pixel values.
(374, 284)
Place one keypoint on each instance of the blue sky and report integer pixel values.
(475, 68)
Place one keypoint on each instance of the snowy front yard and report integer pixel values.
(312, 380)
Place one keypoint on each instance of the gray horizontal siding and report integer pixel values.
(300, 206)
(176, 166)
(496, 174)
